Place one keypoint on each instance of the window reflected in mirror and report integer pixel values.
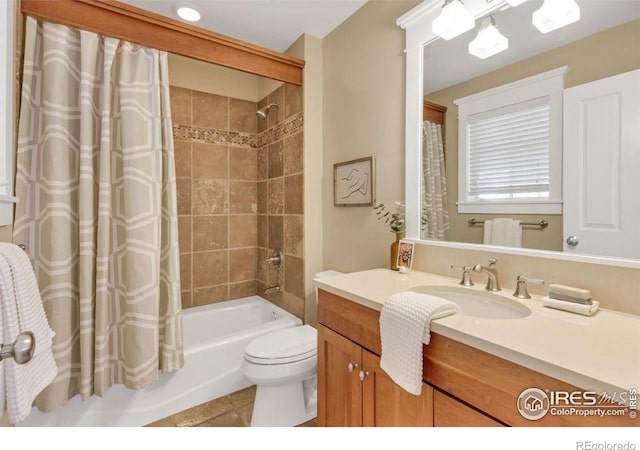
(593, 169)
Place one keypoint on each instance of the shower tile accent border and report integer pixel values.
(289, 127)
(218, 137)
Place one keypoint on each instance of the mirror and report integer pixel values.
(603, 44)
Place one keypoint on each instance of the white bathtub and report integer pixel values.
(215, 337)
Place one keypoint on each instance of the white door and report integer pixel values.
(601, 167)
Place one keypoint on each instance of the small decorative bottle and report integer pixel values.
(394, 251)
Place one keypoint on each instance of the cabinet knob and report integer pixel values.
(352, 366)
(363, 375)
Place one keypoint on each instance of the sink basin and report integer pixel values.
(478, 303)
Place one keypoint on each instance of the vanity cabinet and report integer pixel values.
(463, 386)
(449, 412)
(354, 391)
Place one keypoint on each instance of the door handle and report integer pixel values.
(573, 241)
(352, 366)
(363, 375)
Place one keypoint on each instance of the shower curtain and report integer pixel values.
(435, 208)
(97, 209)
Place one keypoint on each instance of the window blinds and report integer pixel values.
(509, 151)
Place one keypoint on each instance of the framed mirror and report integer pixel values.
(596, 147)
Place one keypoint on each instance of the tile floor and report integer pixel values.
(233, 410)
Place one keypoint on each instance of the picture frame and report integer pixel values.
(354, 182)
(405, 255)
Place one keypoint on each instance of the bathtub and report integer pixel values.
(215, 337)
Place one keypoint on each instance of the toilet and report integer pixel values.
(283, 364)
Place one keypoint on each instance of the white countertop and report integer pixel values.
(599, 353)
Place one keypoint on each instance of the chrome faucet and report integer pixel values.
(493, 283)
(521, 286)
(466, 275)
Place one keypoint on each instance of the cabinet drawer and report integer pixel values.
(449, 412)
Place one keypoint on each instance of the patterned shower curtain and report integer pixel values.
(97, 210)
(434, 186)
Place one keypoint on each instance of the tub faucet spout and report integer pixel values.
(272, 290)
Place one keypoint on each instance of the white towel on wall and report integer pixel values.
(505, 232)
(404, 326)
(22, 310)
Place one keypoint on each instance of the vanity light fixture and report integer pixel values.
(489, 41)
(187, 12)
(454, 19)
(515, 2)
(554, 14)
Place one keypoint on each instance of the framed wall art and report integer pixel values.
(354, 182)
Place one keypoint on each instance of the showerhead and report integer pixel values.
(262, 113)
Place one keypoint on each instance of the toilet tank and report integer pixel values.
(326, 273)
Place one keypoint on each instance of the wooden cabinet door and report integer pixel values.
(449, 412)
(385, 404)
(339, 390)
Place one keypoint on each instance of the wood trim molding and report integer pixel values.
(433, 112)
(136, 25)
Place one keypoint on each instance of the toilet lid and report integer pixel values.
(283, 346)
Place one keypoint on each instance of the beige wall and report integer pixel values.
(598, 56)
(364, 88)
(313, 148)
(205, 77)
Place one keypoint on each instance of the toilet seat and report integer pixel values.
(284, 346)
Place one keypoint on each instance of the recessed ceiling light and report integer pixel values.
(188, 12)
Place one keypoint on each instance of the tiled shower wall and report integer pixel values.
(280, 198)
(239, 182)
(216, 168)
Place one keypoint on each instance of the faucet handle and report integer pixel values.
(522, 290)
(492, 262)
(466, 274)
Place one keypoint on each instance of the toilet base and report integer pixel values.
(285, 405)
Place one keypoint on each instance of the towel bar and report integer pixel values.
(21, 350)
(542, 224)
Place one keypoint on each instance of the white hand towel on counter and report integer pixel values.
(404, 326)
(505, 232)
(22, 310)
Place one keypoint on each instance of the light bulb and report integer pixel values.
(454, 19)
(188, 13)
(554, 14)
(489, 41)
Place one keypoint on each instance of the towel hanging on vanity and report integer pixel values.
(404, 326)
(505, 232)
